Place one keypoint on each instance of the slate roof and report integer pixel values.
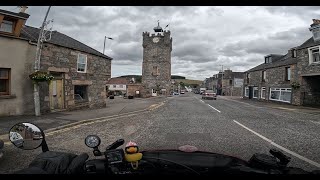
(60, 39)
(309, 43)
(118, 81)
(20, 14)
(282, 61)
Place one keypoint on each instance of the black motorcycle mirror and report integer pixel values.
(28, 136)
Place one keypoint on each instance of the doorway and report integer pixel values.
(56, 94)
(154, 92)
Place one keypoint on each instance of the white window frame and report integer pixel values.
(294, 51)
(288, 75)
(311, 56)
(86, 63)
(257, 89)
(245, 90)
(263, 89)
(264, 76)
(280, 90)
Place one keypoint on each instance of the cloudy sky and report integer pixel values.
(204, 38)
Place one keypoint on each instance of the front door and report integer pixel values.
(153, 92)
(250, 92)
(56, 94)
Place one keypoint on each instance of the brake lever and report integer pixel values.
(284, 160)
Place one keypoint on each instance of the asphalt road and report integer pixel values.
(226, 126)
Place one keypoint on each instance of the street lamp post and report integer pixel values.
(104, 44)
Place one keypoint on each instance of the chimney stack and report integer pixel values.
(23, 9)
(315, 29)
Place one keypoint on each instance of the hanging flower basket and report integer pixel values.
(295, 85)
(40, 76)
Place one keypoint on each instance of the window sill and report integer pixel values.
(314, 63)
(81, 72)
(8, 96)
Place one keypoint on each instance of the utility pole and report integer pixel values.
(37, 66)
(104, 44)
(222, 81)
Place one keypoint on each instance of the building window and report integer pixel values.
(230, 82)
(263, 93)
(4, 81)
(288, 74)
(314, 55)
(81, 93)
(246, 91)
(268, 59)
(294, 53)
(6, 26)
(255, 92)
(280, 94)
(248, 77)
(82, 63)
(264, 76)
(155, 71)
(114, 86)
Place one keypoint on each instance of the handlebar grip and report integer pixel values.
(116, 144)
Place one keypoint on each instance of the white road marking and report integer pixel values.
(280, 147)
(207, 104)
(214, 108)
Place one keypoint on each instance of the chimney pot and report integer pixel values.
(23, 9)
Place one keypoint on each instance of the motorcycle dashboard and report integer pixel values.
(114, 156)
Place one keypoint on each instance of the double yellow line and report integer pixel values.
(76, 125)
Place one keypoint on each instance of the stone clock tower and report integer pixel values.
(156, 66)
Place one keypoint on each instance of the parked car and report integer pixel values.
(182, 92)
(175, 93)
(16, 139)
(209, 94)
(37, 137)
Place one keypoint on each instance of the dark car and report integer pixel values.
(209, 94)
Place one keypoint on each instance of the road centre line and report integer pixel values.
(214, 108)
(280, 147)
(207, 104)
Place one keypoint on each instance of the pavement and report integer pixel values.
(226, 125)
(55, 120)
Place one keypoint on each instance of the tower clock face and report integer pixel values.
(155, 40)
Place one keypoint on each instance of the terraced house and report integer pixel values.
(80, 72)
(292, 78)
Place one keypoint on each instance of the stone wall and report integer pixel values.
(132, 88)
(64, 60)
(159, 55)
(275, 79)
(304, 68)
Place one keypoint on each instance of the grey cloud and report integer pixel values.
(203, 37)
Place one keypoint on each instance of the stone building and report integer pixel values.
(272, 79)
(80, 72)
(226, 83)
(308, 69)
(232, 83)
(291, 78)
(156, 66)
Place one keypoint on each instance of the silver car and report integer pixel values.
(16, 139)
